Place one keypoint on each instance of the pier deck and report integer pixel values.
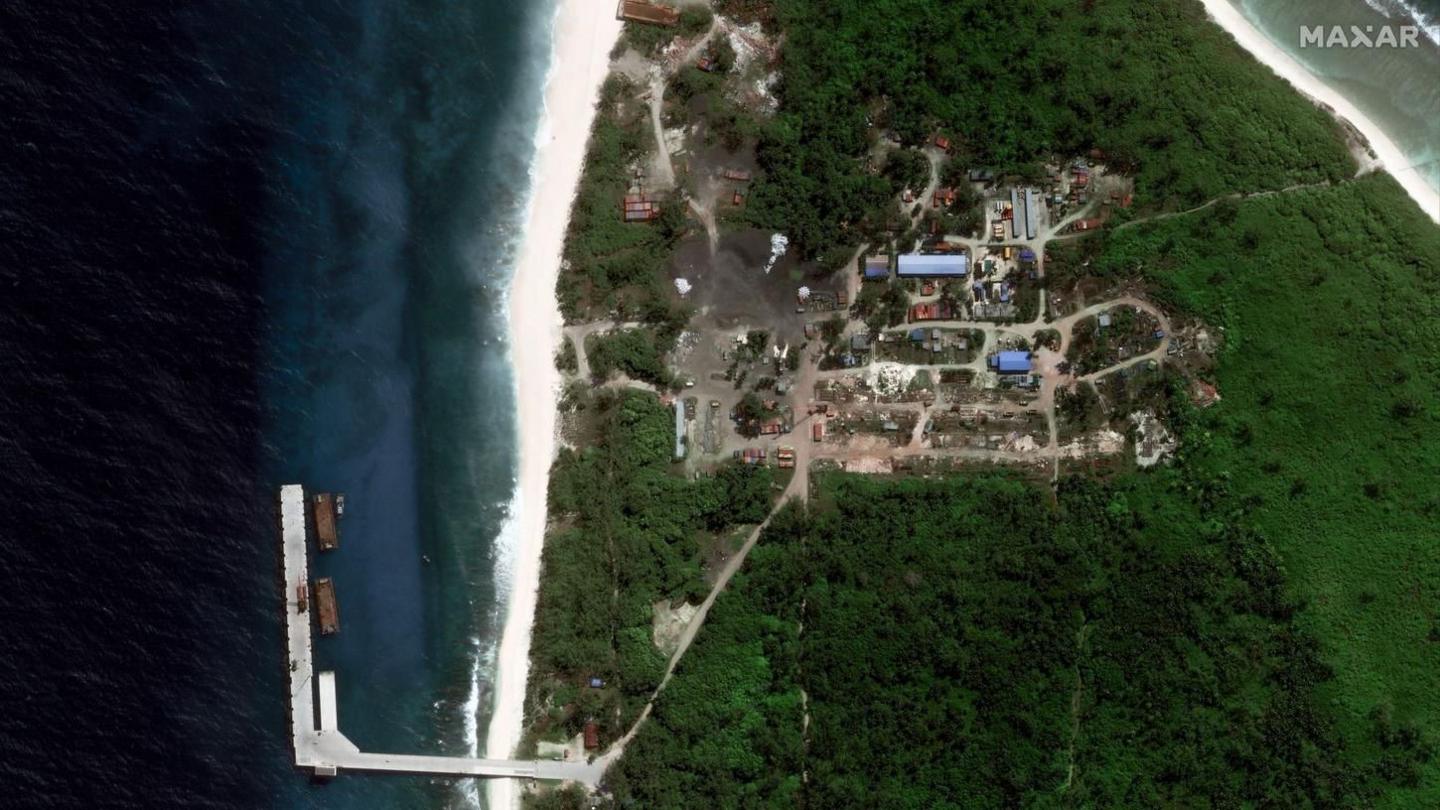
(319, 744)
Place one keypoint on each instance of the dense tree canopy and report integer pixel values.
(1164, 93)
(1254, 626)
(964, 643)
(625, 535)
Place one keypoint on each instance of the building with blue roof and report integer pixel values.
(1013, 362)
(938, 265)
(877, 268)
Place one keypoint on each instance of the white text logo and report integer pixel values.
(1356, 36)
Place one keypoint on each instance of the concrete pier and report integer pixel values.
(319, 744)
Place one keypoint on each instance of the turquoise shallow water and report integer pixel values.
(393, 229)
(1397, 88)
(247, 244)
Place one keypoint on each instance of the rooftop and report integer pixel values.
(917, 265)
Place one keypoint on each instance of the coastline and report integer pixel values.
(1390, 157)
(584, 32)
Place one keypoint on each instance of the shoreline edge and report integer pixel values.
(584, 32)
(1266, 52)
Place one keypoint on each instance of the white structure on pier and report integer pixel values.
(319, 745)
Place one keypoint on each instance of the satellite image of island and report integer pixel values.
(720, 404)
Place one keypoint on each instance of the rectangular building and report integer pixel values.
(679, 431)
(920, 265)
(930, 311)
(877, 268)
(643, 12)
(1015, 214)
(1030, 213)
(1013, 362)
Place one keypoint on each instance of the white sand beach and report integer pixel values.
(584, 33)
(1284, 65)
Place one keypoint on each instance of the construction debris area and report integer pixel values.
(941, 338)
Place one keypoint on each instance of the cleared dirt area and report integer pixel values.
(733, 290)
(669, 624)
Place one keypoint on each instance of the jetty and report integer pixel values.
(319, 745)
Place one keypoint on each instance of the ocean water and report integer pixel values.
(1397, 88)
(241, 245)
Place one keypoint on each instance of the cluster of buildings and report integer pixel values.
(991, 296)
(918, 266)
(756, 456)
(1022, 214)
(933, 340)
(1080, 181)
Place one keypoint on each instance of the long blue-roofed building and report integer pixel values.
(937, 265)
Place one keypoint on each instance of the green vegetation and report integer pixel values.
(1330, 418)
(650, 40)
(1093, 347)
(695, 20)
(565, 359)
(907, 168)
(882, 305)
(727, 732)
(627, 533)
(572, 797)
(1164, 93)
(639, 353)
(966, 644)
(610, 264)
(750, 411)
(1256, 625)
(686, 84)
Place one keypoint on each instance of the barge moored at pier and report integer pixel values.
(325, 606)
(327, 509)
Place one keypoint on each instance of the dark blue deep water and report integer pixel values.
(243, 244)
